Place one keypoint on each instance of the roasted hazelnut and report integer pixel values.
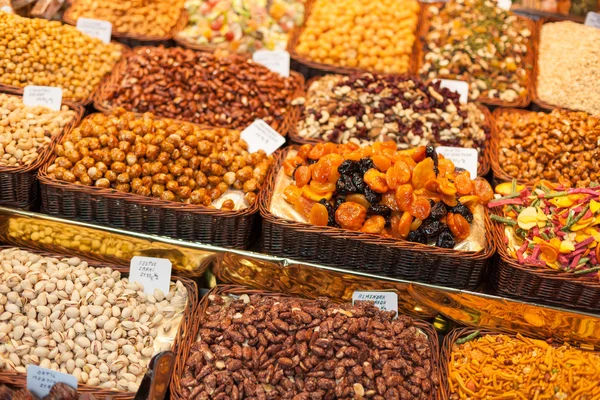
(102, 183)
(168, 195)
(157, 189)
(228, 205)
(118, 167)
(111, 176)
(184, 192)
(123, 187)
(85, 179)
(250, 185)
(152, 152)
(123, 178)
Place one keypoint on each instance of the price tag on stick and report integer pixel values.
(260, 136)
(45, 96)
(461, 157)
(95, 28)
(153, 273)
(277, 61)
(385, 301)
(592, 19)
(40, 380)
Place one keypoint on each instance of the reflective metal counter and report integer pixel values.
(260, 271)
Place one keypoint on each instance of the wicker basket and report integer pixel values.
(311, 69)
(18, 184)
(102, 97)
(484, 161)
(368, 253)
(529, 61)
(149, 215)
(132, 39)
(540, 285)
(19, 380)
(227, 290)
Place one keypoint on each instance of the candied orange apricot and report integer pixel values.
(483, 189)
(302, 175)
(404, 196)
(381, 162)
(463, 183)
(318, 215)
(445, 167)
(376, 180)
(447, 187)
(374, 224)
(403, 228)
(458, 225)
(350, 215)
(319, 187)
(422, 173)
(420, 208)
(398, 174)
(290, 165)
(303, 151)
(314, 196)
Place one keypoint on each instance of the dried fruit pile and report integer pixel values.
(552, 226)
(367, 108)
(412, 194)
(270, 347)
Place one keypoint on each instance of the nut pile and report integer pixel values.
(364, 108)
(569, 66)
(414, 194)
(370, 35)
(59, 391)
(478, 42)
(560, 147)
(26, 131)
(46, 53)
(276, 347)
(166, 159)
(137, 17)
(202, 88)
(88, 322)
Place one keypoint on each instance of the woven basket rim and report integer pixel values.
(483, 165)
(187, 323)
(362, 237)
(47, 150)
(102, 102)
(234, 290)
(327, 68)
(521, 101)
(45, 179)
(180, 23)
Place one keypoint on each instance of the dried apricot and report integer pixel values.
(321, 170)
(420, 208)
(423, 173)
(389, 199)
(449, 200)
(404, 225)
(483, 189)
(470, 201)
(350, 215)
(458, 225)
(354, 156)
(317, 151)
(397, 175)
(432, 185)
(376, 181)
(381, 162)
(334, 159)
(302, 175)
(303, 206)
(445, 167)
(303, 151)
(379, 147)
(404, 196)
(292, 193)
(373, 224)
(309, 194)
(319, 187)
(447, 187)
(428, 194)
(318, 215)
(463, 183)
(359, 198)
(418, 154)
(290, 165)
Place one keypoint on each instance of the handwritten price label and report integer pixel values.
(260, 136)
(45, 96)
(592, 19)
(40, 380)
(385, 301)
(461, 157)
(95, 28)
(153, 273)
(277, 61)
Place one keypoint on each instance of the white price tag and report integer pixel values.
(460, 87)
(386, 301)
(7, 9)
(461, 157)
(592, 19)
(277, 60)
(260, 136)
(40, 380)
(95, 28)
(45, 96)
(153, 273)
(505, 4)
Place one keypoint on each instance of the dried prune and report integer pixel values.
(371, 196)
(464, 211)
(348, 166)
(417, 236)
(359, 183)
(431, 227)
(379, 209)
(438, 211)
(445, 240)
(344, 185)
(330, 212)
(338, 201)
(366, 164)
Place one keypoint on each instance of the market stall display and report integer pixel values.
(90, 322)
(560, 147)
(404, 206)
(366, 108)
(377, 356)
(47, 53)
(155, 167)
(59, 391)
(349, 35)
(229, 91)
(145, 20)
(478, 42)
(27, 138)
(551, 234)
(567, 70)
(515, 366)
(243, 26)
